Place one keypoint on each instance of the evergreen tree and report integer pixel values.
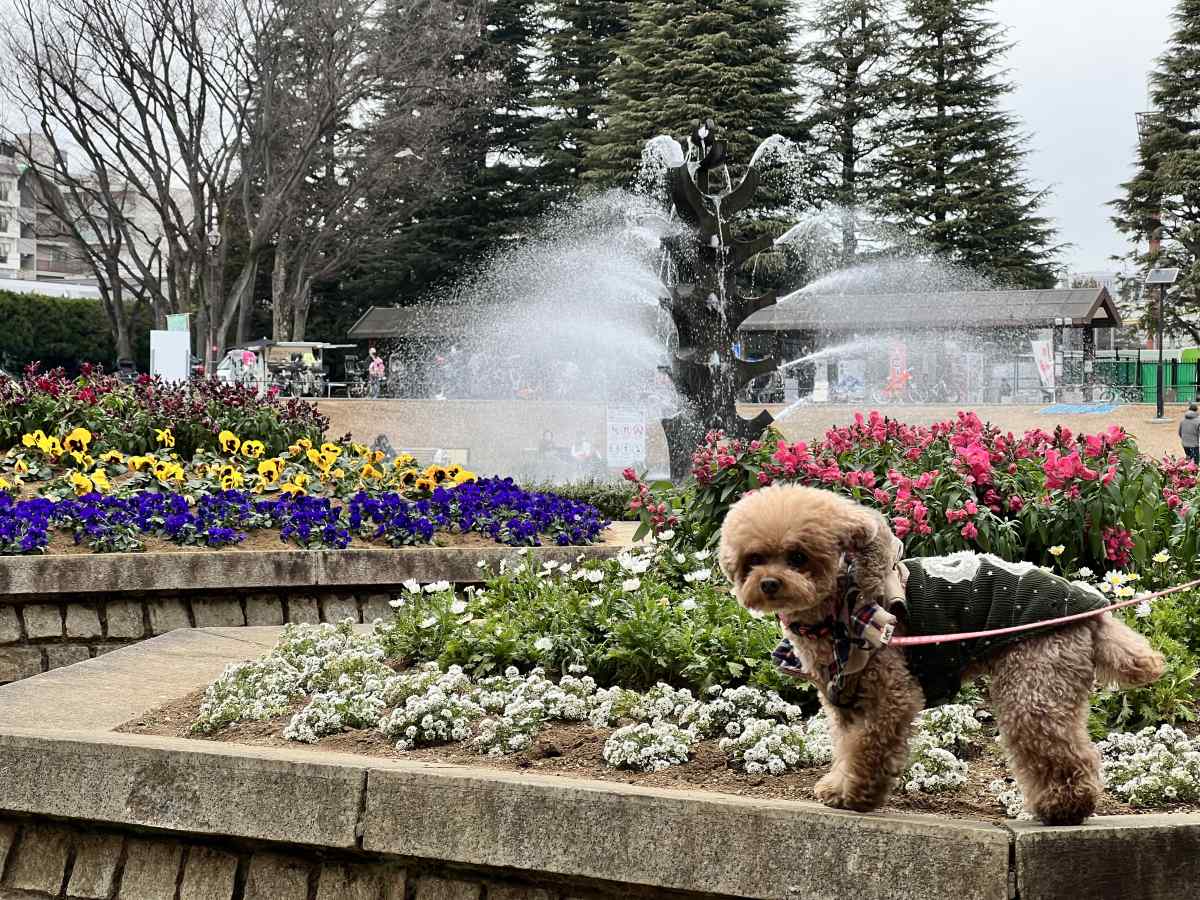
(955, 170)
(848, 72)
(580, 43)
(685, 61)
(493, 191)
(1162, 201)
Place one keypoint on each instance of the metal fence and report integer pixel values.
(1135, 380)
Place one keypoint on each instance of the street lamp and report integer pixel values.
(214, 274)
(1164, 278)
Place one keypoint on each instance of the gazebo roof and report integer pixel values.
(1079, 307)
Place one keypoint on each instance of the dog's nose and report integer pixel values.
(770, 586)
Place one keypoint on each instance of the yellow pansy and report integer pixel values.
(405, 461)
(294, 450)
(292, 488)
(425, 484)
(164, 437)
(270, 470)
(21, 467)
(454, 470)
(464, 476)
(234, 479)
(407, 479)
(78, 439)
(82, 484)
(339, 473)
(4, 485)
(437, 474)
(229, 441)
(33, 439)
(369, 471)
(253, 449)
(305, 443)
(302, 479)
(112, 456)
(376, 456)
(100, 480)
(360, 449)
(330, 448)
(137, 463)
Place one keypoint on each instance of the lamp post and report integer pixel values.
(1164, 278)
(214, 276)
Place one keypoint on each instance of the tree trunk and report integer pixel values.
(245, 307)
(281, 309)
(300, 305)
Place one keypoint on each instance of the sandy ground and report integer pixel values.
(499, 435)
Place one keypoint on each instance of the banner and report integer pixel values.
(626, 437)
(1043, 358)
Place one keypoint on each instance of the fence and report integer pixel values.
(1136, 379)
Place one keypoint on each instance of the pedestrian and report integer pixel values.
(1189, 433)
(375, 373)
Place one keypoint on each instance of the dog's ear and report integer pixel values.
(860, 527)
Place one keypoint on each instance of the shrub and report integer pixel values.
(611, 498)
(64, 331)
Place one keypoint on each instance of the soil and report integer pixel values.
(574, 751)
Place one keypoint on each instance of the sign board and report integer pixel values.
(1043, 358)
(626, 436)
(852, 379)
(180, 322)
(171, 355)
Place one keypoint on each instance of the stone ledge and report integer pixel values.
(84, 574)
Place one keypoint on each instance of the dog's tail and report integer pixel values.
(1122, 656)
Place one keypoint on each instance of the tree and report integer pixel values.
(954, 171)
(492, 191)
(581, 42)
(1161, 202)
(685, 61)
(848, 72)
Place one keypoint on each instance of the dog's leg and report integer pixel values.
(871, 743)
(1040, 691)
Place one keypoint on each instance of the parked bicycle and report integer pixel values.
(1122, 393)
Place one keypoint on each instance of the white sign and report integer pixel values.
(171, 355)
(626, 436)
(852, 379)
(1043, 357)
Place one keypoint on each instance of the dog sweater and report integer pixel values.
(978, 592)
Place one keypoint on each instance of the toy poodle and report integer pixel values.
(829, 570)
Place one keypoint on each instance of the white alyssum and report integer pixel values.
(952, 727)
(1152, 767)
(765, 747)
(1009, 797)
(648, 748)
(724, 710)
(933, 770)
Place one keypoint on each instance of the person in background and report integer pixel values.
(375, 373)
(1189, 433)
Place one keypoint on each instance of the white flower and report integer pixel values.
(522, 551)
(1125, 591)
(1057, 550)
(1142, 610)
(429, 623)
(594, 602)
(698, 575)
(458, 606)
(689, 604)
(412, 587)
(1085, 572)
(550, 565)
(1115, 579)
(631, 584)
(595, 576)
(482, 564)
(543, 644)
(666, 535)
(701, 555)
(437, 587)
(1161, 556)
(680, 558)
(397, 603)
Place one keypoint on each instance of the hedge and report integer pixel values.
(63, 331)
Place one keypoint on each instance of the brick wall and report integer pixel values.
(41, 859)
(39, 633)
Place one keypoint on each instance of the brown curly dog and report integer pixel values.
(784, 547)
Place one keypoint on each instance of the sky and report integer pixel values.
(1080, 71)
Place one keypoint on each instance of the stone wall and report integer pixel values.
(41, 859)
(39, 633)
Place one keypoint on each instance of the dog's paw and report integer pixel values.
(838, 792)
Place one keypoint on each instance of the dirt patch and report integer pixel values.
(574, 751)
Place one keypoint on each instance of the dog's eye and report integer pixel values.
(797, 560)
(753, 561)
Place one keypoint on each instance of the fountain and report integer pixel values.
(704, 300)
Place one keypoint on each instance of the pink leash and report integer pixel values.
(918, 639)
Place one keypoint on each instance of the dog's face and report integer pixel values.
(782, 547)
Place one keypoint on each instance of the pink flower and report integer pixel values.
(901, 526)
(1015, 503)
(970, 507)
(969, 531)
(882, 497)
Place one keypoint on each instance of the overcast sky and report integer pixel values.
(1080, 69)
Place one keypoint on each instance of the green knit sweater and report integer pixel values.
(979, 592)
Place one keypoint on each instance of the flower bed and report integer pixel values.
(128, 416)
(1046, 497)
(336, 688)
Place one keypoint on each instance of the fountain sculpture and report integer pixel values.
(704, 300)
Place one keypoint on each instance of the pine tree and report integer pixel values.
(685, 61)
(955, 170)
(848, 72)
(494, 192)
(580, 43)
(1162, 201)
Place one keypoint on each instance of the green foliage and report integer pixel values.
(1163, 197)
(611, 498)
(63, 331)
(632, 622)
(955, 168)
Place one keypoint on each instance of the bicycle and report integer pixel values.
(1122, 393)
